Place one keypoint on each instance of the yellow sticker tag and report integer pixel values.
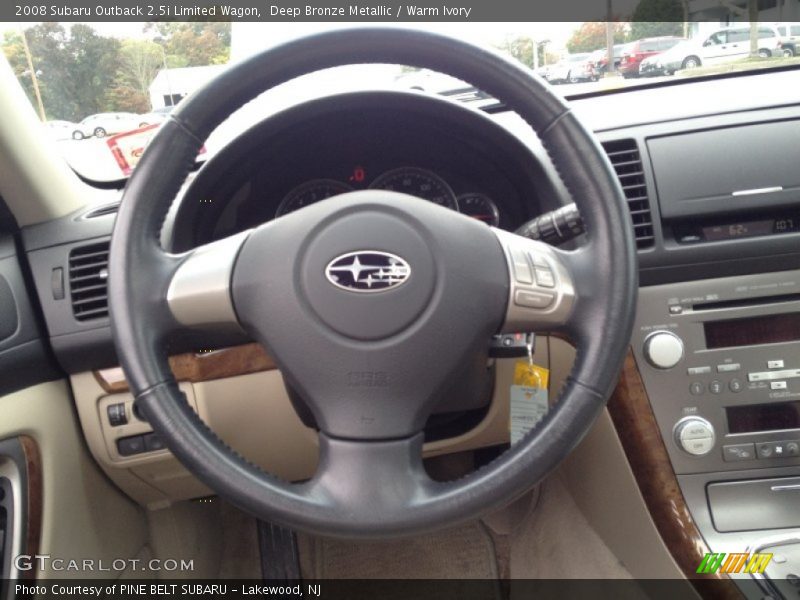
(531, 375)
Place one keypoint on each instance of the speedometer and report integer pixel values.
(310, 192)
(417, 182)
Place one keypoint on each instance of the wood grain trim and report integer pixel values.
(641, 439)
(33, 525)
(200, 366)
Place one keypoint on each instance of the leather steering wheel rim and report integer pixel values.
(383, 491)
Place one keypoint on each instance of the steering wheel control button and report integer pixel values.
(522, 270)
(128, 446)
(695, 435)
(663, 349)
(735, 385)
(116, 414)
(738, 452)
(696, 388)
(530, 299)
(545, 278)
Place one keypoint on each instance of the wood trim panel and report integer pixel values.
(641, 439)
(200, 366)
(33, 525)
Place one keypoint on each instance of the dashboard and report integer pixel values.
(407, 143)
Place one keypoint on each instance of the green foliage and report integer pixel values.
(652, 18)
(592, 36)
(81, 72)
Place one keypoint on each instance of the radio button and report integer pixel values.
(715, 387)
(728, 368)
(774, 364)
(663, 349)
(698, 370)
(777, 385)
(735, 385)
(696, 388)
(772, 375)
(738, 452)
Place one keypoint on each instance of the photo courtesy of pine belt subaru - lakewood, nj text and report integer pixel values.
(318, 305)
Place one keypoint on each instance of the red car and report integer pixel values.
(635, 52)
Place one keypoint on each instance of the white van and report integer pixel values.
(733, 43)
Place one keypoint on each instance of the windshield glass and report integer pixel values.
(102, 90)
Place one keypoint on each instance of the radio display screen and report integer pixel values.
(763, 417)
(770, 329)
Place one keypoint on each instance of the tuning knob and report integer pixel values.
(695, 435)
(663, 349)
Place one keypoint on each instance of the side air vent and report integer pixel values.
(102, 211)
(88, 281)
(627, 161)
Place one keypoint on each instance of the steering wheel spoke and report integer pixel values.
(199, 292)
(542, 292)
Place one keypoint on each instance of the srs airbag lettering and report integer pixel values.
(367, 379)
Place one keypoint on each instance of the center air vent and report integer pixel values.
(624, 155)
(88, 281)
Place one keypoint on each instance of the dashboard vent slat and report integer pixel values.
(627, 163)
(88, 281)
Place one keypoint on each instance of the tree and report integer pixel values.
(193, 44)
(521, 48)
(139, 63)
(592, 36)
(652, 18)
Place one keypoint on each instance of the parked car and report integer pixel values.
(60, 130)
(156, 116)
(599, 59)
(574, 68)
(790, 36)
(723, 46)
(635, 52)
(103, 124)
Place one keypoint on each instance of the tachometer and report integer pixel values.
(417, 182)
(479, 206)
(310, 192)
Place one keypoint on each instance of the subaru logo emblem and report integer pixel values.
(367, 271)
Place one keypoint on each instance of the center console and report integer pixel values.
(717, 335)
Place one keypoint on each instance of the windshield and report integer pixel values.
(103, 89)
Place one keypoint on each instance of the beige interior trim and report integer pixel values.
(253, 414)
(603, 486)
(35, 180)
(81, 508)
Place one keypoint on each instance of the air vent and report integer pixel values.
(88, 281)
(625, 157)
(102, 211)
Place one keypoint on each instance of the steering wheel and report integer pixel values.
(372, 302)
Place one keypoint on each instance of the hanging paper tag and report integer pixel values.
(529, 398)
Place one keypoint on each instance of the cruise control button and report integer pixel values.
(538, 260)
(533, 299)
(696, 388)
(738, 452)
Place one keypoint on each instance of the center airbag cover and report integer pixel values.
(358, 303)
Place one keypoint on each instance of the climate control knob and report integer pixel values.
(695, 435)
(663, 349)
